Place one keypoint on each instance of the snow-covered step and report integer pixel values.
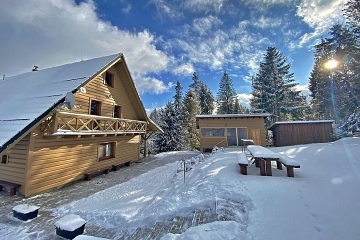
(136, 234)
(201, 216)
(157, 231)
(179, 224)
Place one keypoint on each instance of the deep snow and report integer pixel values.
(321, 202)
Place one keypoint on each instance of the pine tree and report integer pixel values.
(273, 88)
(173, 138)
(178, 98)
(192, 108)
(196, 85)
(206, 99)
(226, 95)
(335, 92)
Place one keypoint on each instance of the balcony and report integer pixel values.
(65, 123)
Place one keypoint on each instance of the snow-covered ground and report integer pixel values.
(321, 202)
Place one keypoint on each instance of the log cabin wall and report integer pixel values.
(58, 161)
(15, 169)
(254, 125)
(301, 133)
(108, 96)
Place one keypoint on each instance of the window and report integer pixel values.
(95, 107)
(117, 111)
(106, 150)
(212, 132)
(4, 159)
(109, 79)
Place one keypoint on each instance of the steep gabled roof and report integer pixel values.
(26, 99)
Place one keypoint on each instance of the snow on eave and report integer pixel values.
(235, 115)
(300, 122)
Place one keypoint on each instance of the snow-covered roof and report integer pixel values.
(300, 122)
(234, 115)
(27, 98)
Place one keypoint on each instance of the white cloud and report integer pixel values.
(244, 99)
(267, 22)
(320, 15)
(152, 85)
(50, 33)
(304, 89)
(184, 69)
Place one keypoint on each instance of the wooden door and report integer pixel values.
(255, 135)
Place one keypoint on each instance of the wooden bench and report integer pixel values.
(243, 162)
(90, 175)
(12, 187)
(289, 163)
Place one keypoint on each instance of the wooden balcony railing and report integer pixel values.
(65, 123)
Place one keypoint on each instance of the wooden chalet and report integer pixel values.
(60, 123)
(301, 132)
(227, 130)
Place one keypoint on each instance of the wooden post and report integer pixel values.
(290, 171)
(243, 169)
(257, 162)
(268, 168)
(262, 167)
(279, 165)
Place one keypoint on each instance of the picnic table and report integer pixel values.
(263, 158)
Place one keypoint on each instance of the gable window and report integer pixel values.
(109, 79)
(4, 159)
(106, 150)
(95, 107)
(117, 111)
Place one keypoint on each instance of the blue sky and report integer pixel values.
(165, 41)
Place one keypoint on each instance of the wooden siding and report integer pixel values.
(108, 96)
(294, 134)
(14, 171)
(250, 123)
(59, 161)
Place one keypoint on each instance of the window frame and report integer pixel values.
(109, 79)
(5, 159)
(119, 111)
(98, 108)
(213, 136)
(112, 150)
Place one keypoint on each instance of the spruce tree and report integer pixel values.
(192, 108)
(226, 95)
(173, 138)
(273, 88)
(206, 99)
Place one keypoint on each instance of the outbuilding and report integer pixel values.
(301, 132)
(227, 130)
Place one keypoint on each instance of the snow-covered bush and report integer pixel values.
(351, 126)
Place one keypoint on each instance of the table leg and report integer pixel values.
(262, 167)
(268, 168)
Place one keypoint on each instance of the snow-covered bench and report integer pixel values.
(243, 162)
(289, 163)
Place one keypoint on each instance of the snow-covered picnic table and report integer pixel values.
(264, 156)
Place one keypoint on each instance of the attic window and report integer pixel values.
(4, 159)
(109, 79)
